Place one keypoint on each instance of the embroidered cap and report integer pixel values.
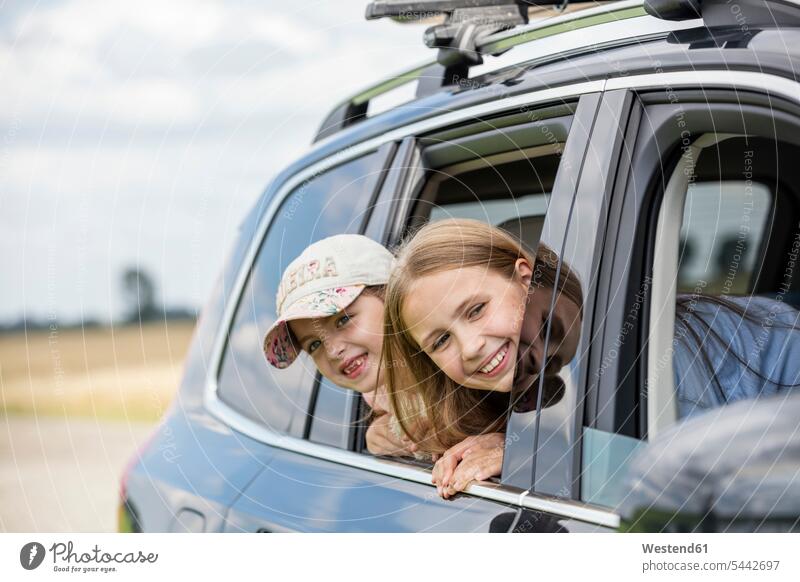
(327, 277)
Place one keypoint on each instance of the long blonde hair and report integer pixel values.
(433, 410)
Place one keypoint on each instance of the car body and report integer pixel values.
(575, 136)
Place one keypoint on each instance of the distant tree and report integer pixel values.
(180, 313)
(139, 293)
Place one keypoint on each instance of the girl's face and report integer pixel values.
(467, 321)
(346, 347)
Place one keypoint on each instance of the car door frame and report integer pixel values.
(556, 462)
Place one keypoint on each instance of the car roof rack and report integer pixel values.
(432, 77)
(466, 22)
(473, 28)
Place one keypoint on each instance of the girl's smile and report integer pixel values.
(497, 362)
(354, 367)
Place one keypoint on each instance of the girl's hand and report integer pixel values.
(381, 440)
(478, 465)
(445, 467)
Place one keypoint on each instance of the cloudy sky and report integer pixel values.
(139, 133)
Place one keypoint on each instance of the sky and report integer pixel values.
(140, 133)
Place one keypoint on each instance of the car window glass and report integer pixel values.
(493, 211)
(330, 203)
(330, 425)
(722, 230)
(731, 337)
(605, 461)
(721, 235)
(509, 190)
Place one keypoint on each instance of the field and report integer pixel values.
(75, 405)
(126, 372)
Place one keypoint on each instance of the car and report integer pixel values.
(653, 145)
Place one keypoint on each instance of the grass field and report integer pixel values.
(127, 372)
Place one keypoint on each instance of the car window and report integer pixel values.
(493, 211)
(513, 194)
(723, 228)
(721, 236)
(509, 189)
(333, 202)
(721, 314)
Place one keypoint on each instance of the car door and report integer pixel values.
(326, 481)
(705, 204)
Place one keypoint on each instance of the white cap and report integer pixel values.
(327, 277)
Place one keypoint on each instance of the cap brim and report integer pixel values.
(279, 348)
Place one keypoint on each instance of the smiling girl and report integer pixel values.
(330, 305)
(454, 334)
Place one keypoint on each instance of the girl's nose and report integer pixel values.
(334, 349)
(473, 348)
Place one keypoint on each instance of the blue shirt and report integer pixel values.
(713, 341)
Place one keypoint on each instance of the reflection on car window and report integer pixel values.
(328, 204)
(729, 343)
(722, 233)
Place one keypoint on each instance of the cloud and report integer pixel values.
(119, 121)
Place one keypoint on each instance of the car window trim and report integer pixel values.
(744, 80)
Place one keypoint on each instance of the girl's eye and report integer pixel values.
(343, 320)
(476, 311)
(440, 341)
(313, 346)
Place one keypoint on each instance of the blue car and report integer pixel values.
(631, 137)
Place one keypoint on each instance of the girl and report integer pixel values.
(454, 310)
(330, 304)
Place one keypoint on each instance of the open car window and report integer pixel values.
(505, 177)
